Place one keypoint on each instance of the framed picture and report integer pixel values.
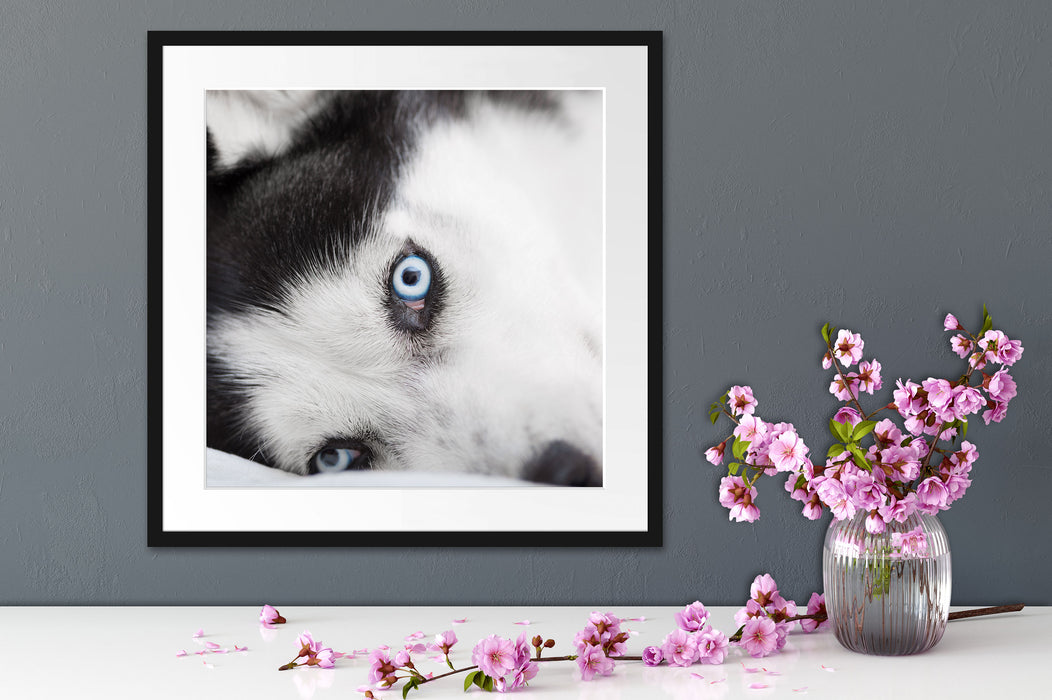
(404, 288)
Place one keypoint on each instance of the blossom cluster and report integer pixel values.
(902, 470)
(315, 653)
(384, 669)
(694, 641)
(507, 663)
(598, 644)
(767, 617)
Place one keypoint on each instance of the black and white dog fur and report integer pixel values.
(407, 281)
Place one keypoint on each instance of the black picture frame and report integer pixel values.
(162, 492)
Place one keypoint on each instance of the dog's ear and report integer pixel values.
(252, 125)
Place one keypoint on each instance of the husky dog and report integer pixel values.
(407, 281)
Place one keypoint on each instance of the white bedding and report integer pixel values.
(227, 470)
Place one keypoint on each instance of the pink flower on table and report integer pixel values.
(307, 644)
(741, 401)
(715, 454)
(763, 589)
(869, 377)
(817, 605)
(712, 646)
(845, 388)
(736, 495)
(848, 416)
(931, 495)
(444, 641)
(269, 615)
(780, 608)
(524, 670)
(652, 656)
(494, 656)
(693, 617)
(325, 658)
(680, 648)
(593, 662)
(848, 347)
(752, 609)
(1001, 386)
(760, 637)
(961, 345)
(951, 324)
(381, 669)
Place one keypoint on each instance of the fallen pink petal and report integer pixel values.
(758, 686)
(750, 670)
(715, 682)
(199, 633)
(211, 645)
(637, 619)
(698, 675)
(522, 622)
(415, 635)
(237, 648)
(800, 690)
(181, 652)
(827, 668)
(460, 621)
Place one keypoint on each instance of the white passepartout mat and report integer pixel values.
(225, 470)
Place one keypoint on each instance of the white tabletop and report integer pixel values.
(131, 652)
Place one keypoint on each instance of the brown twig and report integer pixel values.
(976, 612)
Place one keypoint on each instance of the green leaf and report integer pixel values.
(740, 446)
(488, 685)
(825, 332)
(841, 431)
(907, 441)
(860, 457)
(733, 468)
(835, 451)
(988, 322)
(469, 680)
(410, 685)
(714, 416)
(863, 429)
(801, 481)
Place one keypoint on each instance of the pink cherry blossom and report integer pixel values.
(760, 637)
(996, 413)
(874, 523)
(940, 391)
(652, 656)
(827, 360)
(593, 662)
(848, 416)
(869, 376)
(750, 428)
(951, 323)
(993, 342)
(269, 615)
(788, 451)
(381, 668)
(692, 618)
(816, 605)
(845, 388)
(737, 496)
(931, 495)
(961, 345)
(715, 454)
(835, 496)
(966, 401)
(848, 347)
(741, 400)
(1001, 386)
(908, 399)
(444, 641)
(1009, 352)
(494, 656)
(763, 589)
(712, 646)
(680, 648)
(752, 609)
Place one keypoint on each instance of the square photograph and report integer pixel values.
(405, 287)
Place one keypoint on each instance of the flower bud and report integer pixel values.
(549, 643)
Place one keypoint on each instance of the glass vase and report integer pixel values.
(887, 593)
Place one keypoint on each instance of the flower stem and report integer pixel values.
(977, 612)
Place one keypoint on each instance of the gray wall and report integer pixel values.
(870, 164)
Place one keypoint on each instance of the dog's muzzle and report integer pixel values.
(562, 464)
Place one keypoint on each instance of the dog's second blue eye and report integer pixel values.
(411, 279)
(336, 459)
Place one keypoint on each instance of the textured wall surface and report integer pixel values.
(870, 164)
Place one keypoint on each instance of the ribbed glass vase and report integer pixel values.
(887, 594)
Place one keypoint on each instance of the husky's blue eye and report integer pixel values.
(411, 279)
(338, 459)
